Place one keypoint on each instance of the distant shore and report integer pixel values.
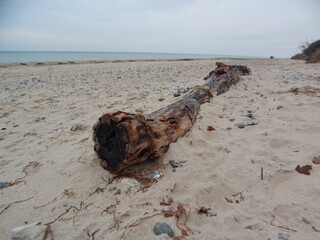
(60, 57)
(48, 63)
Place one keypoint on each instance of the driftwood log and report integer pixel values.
(123, 139)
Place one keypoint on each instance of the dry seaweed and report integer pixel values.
(240, 197)
(210, 128)
(92, 234)
(167, 202)
(279, 226)
(111, 207)
(16, 181)
(36, 207)
(304, 169)
(75, 211)
(12, 184)
(307, 90)
(78, 160)
(179, 213)
(206, 211)
(10, 204)
(66, 192)
(98, 190)
(48, 233)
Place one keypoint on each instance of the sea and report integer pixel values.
(42, 56)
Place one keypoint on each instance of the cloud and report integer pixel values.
(259, 28)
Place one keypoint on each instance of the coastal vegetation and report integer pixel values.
(310, 52)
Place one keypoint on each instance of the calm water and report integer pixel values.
(10, 57)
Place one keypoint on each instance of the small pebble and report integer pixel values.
(161, 228)
(176, 94)
(182, 90)
(84, 139)
(117, 192)
(1, 138)
(249, 115)
(306, 220)
(161, 99)
(283, 236)
(251, 111)
(175, 163)
(140, 110)
(231, 119)
(33, 231)
(245, 124)
(156, 174)
(3, 128)
(279, 107)
(133, 98)
(240, 125)
(74, 127)
(130, 182)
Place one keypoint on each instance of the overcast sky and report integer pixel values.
(231, 27)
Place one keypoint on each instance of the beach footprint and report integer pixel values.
(32, 167)
(278, 143)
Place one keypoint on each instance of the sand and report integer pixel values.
(56, 171)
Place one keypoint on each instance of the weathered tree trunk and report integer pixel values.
(123, 139)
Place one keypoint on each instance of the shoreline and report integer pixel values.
(51, 63)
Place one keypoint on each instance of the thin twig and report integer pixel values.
(314, 228)
(10, 204)
(92, 234)
(36, 207)
(59, 216)
(48, 232)
(279, 226)
(286, 228)
(142, 219)
(14, 183)
(78, 160)
(98, 190)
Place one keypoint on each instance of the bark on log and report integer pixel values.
(123, 139)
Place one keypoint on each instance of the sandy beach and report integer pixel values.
(50, 174)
